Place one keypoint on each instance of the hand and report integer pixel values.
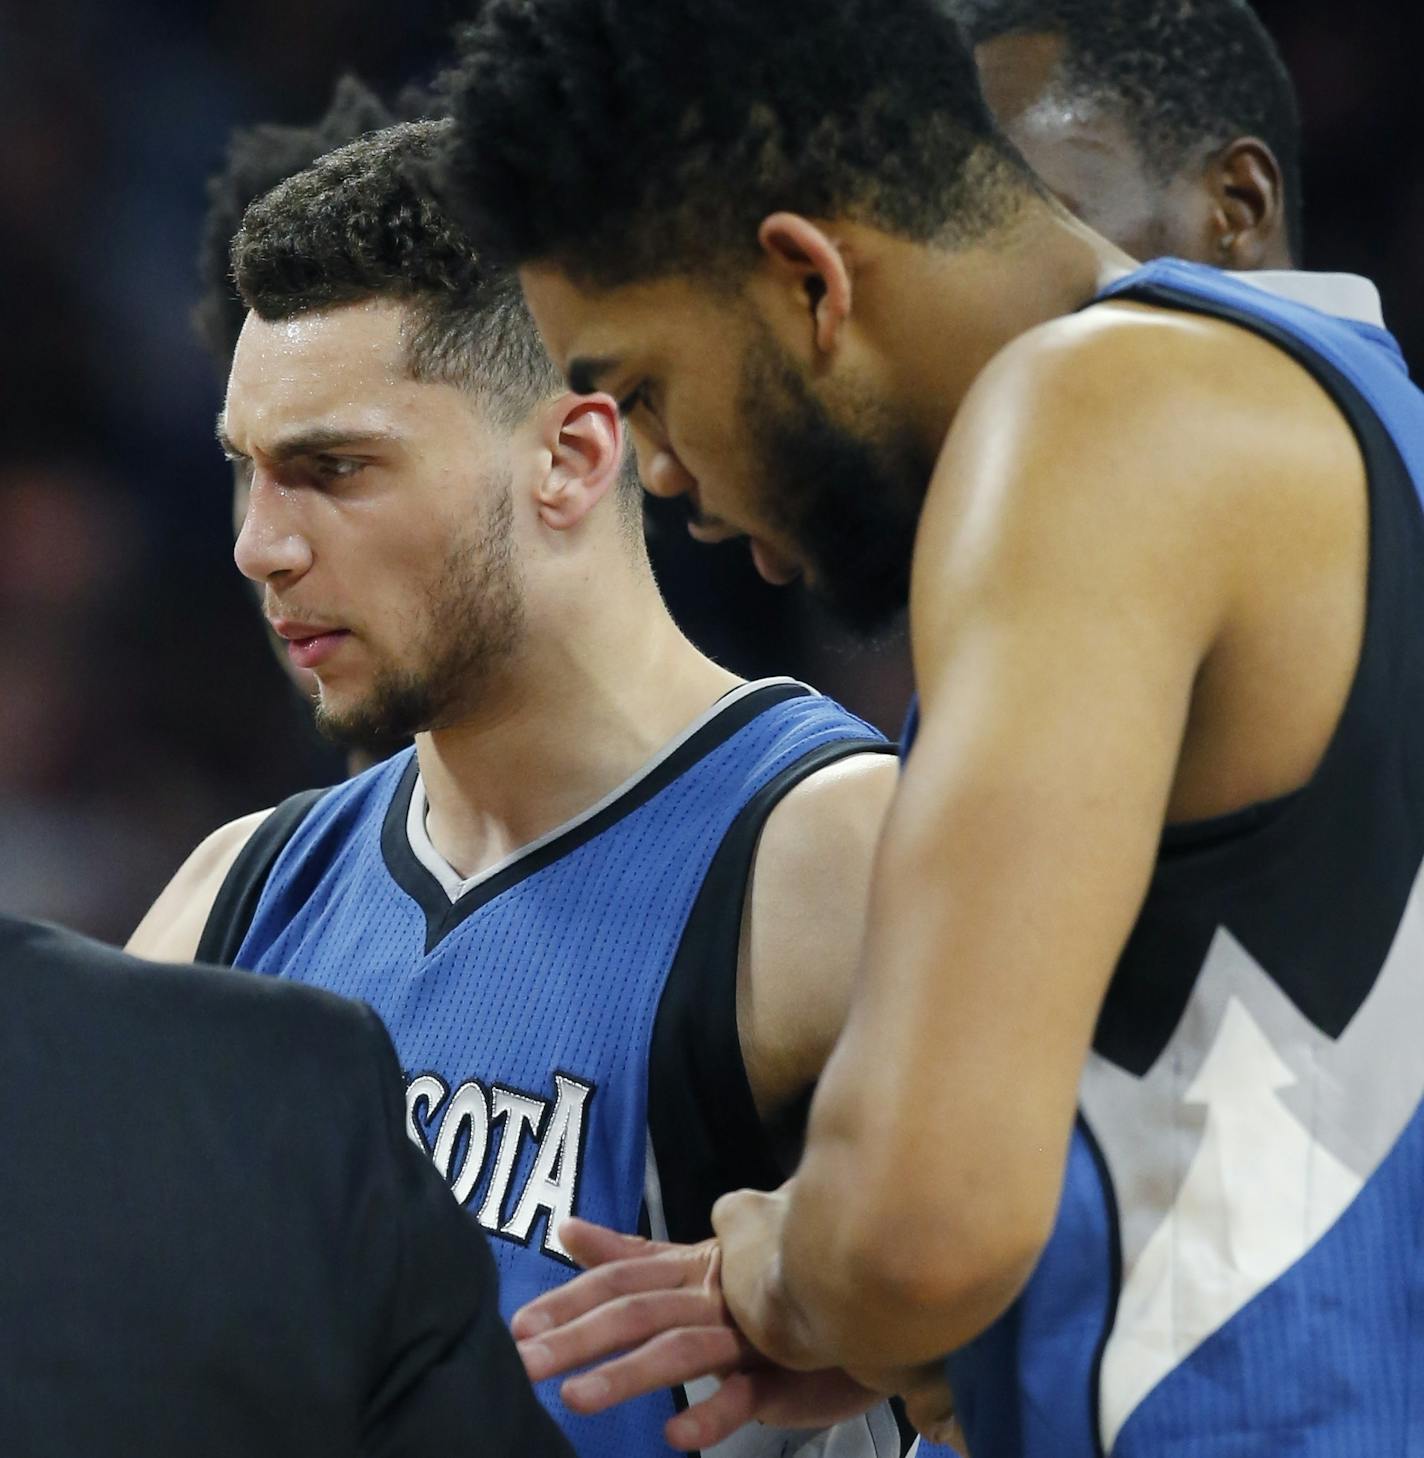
(661, 1305)
(748, 1225)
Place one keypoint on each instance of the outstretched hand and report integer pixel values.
(660, 1306)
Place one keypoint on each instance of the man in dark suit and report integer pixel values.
(215, 1236)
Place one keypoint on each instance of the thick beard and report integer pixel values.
(850, 501)
(471, 622)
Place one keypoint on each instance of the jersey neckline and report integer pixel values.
(447, 898)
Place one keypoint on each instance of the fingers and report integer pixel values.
(615, 1326)
(595, 1245)
(707, 1423)
(665, 1361)
(769, 1395)
(667, 1269)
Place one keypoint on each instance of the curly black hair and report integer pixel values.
(360, 223)
(1186, 75)
(257, 159)
(628, 139)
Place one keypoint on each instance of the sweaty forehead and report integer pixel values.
(315, 362)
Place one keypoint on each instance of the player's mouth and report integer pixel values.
(774, 566)
(711, 529)
(309, 645)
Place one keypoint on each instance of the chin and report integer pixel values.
(340, 719)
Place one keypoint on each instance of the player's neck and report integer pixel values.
(1047, 266)
(601, 685)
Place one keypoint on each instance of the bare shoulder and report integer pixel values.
(1123, 380)
(171, 929)
(805, 921)
(1138, 494)
(847, 798)
(1141, 442)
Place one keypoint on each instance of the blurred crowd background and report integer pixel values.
(139, 704)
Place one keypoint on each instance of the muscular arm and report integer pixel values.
(1077, 580)
(173, 925)
(804, 925)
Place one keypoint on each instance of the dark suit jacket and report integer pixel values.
(215, 1236)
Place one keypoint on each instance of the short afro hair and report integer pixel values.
(630, 139)
(1185, 75)
(258, 158)
(361, 224)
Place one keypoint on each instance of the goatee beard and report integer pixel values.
(472, 621)
(850, 501)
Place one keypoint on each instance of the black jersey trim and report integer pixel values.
(1380, 455)
(442, 915)
(707, 1135)
(1208, 861)
(236, 904)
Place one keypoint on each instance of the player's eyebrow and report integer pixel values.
(310, 442)
(584, 371)
(324, 438)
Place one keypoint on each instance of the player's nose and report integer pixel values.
(268, 545)
(665, 475)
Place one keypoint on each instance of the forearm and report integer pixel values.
(927, 1187)
(827, 1273)
(870, 1283)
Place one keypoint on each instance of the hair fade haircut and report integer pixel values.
(1186, 75)
(257, 159)
(360, 224)
(629, 139)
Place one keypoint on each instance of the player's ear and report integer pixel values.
(808, 262)
(1249, 216)
(584, 437)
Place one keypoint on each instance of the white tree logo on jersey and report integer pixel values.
(1259, 1192)
(473, 1130)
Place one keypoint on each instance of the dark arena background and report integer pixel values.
(139, 704)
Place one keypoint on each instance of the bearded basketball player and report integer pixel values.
(609, 903)
(1124, 1133)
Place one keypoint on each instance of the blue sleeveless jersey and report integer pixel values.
(523, 1012)
(1237, 1268)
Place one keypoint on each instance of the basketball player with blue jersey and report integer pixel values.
(1125, 1133)
(608, 906)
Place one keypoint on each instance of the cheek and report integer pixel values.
(1186, 215)
(1129, 220)
(711, 441)
(1102, 185)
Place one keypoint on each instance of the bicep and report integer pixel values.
(173, 926)
(1012, 868)
(805, 924)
